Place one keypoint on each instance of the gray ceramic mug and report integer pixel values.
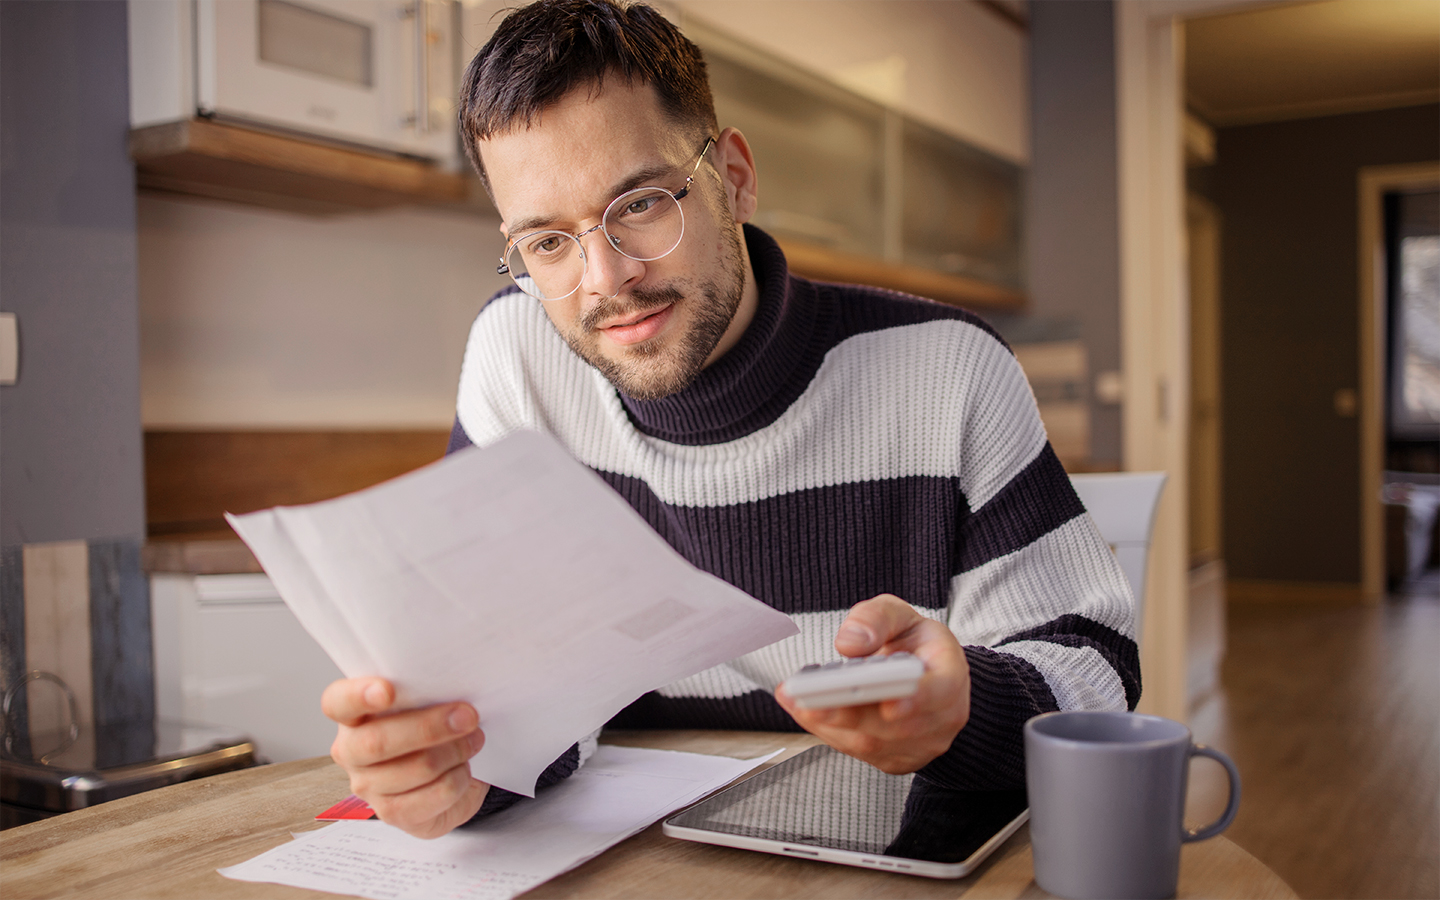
(1107, 802)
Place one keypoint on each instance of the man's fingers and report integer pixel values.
(873, 623)
(406, 773)
(349, 700)
(389, 737)
(897, 710)
(906, 733)
(435, 808)
(411, 766)
(462, 811)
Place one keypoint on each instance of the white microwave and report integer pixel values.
(378, 73)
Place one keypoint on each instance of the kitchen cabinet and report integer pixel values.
(857, 191)
(370, 73)
(323, 107)
(853, 190)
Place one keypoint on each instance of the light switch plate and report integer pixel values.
(9, 348)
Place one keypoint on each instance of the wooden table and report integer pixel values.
(168, 843)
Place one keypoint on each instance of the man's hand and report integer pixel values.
(412, 767)
(896, 736)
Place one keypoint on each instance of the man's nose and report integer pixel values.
(608, 272)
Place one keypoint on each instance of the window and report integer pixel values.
(1413, 250)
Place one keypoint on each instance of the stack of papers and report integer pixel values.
(512, 577)
(617, 793)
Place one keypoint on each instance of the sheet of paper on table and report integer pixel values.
(510, 576)
(618, 792)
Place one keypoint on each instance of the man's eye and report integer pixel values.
(643, 204)
(548, 244)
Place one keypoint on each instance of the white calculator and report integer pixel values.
(851, 682)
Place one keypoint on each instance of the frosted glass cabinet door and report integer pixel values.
(819, 151)
(962, 208)
(845, 173)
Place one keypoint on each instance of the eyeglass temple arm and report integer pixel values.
(680, 194)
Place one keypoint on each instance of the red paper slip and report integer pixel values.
(352, 807)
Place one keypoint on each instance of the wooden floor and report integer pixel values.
(1333, 716)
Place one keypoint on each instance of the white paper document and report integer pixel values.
(618, 792)
(512, 577)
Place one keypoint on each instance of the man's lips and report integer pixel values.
(638, 327)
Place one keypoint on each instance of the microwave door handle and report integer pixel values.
(422, 67)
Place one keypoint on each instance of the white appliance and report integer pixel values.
(378, 73)
(229, 652)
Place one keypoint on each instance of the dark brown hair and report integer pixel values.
(544, 50)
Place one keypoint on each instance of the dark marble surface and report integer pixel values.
(120, 644)
(12, 641)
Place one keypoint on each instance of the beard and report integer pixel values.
(651, 370)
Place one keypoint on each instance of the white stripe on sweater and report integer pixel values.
(866, 416)
(1079, 677)
(1025, 588)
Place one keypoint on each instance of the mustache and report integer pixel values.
(641, 300)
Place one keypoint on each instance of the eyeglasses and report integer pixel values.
(644, 224)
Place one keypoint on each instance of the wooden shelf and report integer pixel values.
(229, 162)
(823, 264)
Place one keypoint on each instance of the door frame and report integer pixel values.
(1374, 182)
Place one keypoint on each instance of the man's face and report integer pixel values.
(649, 327)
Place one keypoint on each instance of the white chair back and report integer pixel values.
(1123, 507)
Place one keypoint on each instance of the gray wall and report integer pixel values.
(1287, 193)
(71, 467)
(70, 446)
(1072, 211)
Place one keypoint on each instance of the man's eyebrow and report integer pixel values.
(640, 178)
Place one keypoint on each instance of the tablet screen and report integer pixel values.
(823, 798)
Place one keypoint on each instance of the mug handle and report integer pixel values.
(1232, 806)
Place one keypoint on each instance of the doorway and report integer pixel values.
(1393, 483)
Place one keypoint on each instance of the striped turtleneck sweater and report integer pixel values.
(854, 442)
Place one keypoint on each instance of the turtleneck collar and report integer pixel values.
(767, 369)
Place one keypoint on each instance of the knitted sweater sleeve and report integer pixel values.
(1037, 599)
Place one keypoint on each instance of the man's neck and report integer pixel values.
(745, 312)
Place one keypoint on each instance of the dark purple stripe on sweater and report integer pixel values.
(1033, 504)
(755, 711)
(459, 440)
(891, 309)
(1122, 653)
(829, 548)
(822, 548)
(989, 752)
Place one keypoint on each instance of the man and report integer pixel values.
(829, 449)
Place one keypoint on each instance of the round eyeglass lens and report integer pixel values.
(645, 224)
(547, 265)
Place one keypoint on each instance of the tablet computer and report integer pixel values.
(827, 806)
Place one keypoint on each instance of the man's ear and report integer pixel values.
(736, 165)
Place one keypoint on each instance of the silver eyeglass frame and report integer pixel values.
(504, 267)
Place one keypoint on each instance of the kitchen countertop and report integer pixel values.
(208, 555)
